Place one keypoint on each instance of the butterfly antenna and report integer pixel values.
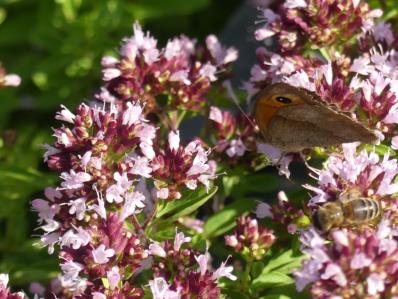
(234, 98)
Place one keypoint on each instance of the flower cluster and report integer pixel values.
(182, 272)
(181, 73)
(107, 158)
(250, 239)
(99, 160)
(8, 79)
(177, 167)
(273, 67)
(231, 135)
(319, 23)
(363, 173)
(353, 265)
(381, 35)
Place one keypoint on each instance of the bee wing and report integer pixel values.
(338, 126)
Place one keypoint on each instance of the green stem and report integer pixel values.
(180, 117)
(246, 275)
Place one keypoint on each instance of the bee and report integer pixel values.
(345, 212)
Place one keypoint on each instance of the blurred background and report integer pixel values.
(56, 47)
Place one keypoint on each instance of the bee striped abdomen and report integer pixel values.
(361, 210)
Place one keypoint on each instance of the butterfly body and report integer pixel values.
(293, 119)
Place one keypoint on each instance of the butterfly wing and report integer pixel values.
(304, 126)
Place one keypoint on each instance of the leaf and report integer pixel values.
(229, 183)
(272, 279)
(380, 149)
(234, 294)
(283, 263)
(275, 297)
(224, 220)
(288, 290)
(144, 9)
(257, 183)
(186, 204)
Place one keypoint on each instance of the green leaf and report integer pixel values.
(234, 294)
(283, 263)
(257, 268)
(224, 220)
(255, 183)
(229, 183)
(275, 297)
(288, 290)
(380, 149)
(188, 203)
(144, 9)
(272, 279)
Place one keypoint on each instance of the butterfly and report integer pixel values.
(293, 119)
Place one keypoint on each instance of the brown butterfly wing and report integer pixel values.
(325, 118)
(295, 128)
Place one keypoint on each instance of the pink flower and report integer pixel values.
(224, 271)
(162, 193)
(375, 284)
(179, 240)
(12, 80)
(45, 210)
(113, 277)
(73, 180)
(203, 261)
(37, 288)
(78, 207)
(174, 140)
(181, 76)
(208, 70)
(231, 241)
(360, 261)
(65, 115)
(295, 4)
(221, 55)
(263, 210)
(71, 270)
(132, 114)
(102, 255)
(4, 279)
(156, 249)
(134, 201)
(109, 61)
(111, 73)
(98, 295)
(75, 240)
(334, 272)
(236, 148)
(216, 114)
(161, 290)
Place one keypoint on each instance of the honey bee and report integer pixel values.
(345, 212)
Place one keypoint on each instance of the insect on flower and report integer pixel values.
(293, 119)
(349, 210)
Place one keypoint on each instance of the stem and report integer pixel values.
(246, 274)
(180, 117)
